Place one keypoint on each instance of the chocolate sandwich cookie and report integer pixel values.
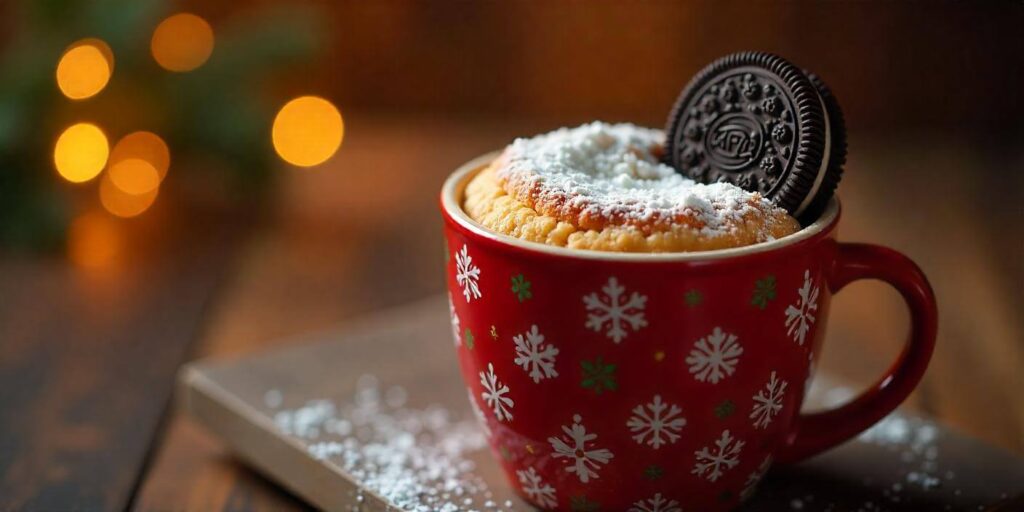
(757, 121)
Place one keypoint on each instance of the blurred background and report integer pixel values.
(183, 179)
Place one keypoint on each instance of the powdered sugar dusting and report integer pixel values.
(601, 173)
(416, 459)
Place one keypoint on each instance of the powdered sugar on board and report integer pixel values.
(609, 174)
(413, 458)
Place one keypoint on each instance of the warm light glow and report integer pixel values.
(84, 69)
(121, 203)
(146, 146)
(134, 176)
(307, 131)
(93, 240)
(182, 42)
(81, 152)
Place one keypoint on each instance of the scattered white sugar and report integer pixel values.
(915, 442)
(610, 170)
(413, 458)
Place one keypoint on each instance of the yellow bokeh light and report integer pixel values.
(81, 152)
(182, 42)
(84, 69)
(143, 145)
(134, 176)
(121, 203)
(93, 240)
(307, 131)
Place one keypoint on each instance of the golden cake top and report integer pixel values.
(599, 175)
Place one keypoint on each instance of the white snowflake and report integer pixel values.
(480, 418)
(800, 316)
(577, 444)
(536, 357)
(535, 488)
(712, 463)
(615, 310)
(715, 356)
(455, 321)
(658, 503)
(768, 402)
(467, 274)
(754, 478)
(657, 427)
(494, 395)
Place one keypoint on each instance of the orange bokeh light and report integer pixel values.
(94, 240)
(307, 131)
(134, 176)
(143, 145)
(85, 68)
(123, 204)
(182, 42)
(81, 152)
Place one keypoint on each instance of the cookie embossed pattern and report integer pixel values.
(757, 121)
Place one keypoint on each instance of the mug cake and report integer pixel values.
(604, 187)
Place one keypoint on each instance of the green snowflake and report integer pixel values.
(694, 298)
(653, 472)
(521, 287)
(582, 504)
(468, 338)
(599, 376)
(764, 291)
(725, 409)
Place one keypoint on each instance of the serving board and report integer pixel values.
(376, 418)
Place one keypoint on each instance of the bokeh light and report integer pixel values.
(307, 131)
(85, 68)
(143, 145)
(182, 42)
(134, 176)
(94, 240)
(81, 152)
(121, 203)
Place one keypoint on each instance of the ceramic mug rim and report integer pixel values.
(451, 207)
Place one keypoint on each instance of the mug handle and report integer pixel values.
(817, 432)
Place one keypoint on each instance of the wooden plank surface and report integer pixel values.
(88, 355)
(275, 419)
(363, 233)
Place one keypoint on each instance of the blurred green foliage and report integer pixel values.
(221, 112)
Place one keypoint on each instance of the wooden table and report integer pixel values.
(87, 356)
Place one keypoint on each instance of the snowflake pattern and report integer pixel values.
(494, 395)
(615, 310)
(467, 274)
(715, 356)
(713, 462)
(455, 321)
(768, 402)
(535, 488)
(800, 315)
(754, 478)
(577, 445)
(657, 503)
(651, 423)
(535, 356)
(479, 414)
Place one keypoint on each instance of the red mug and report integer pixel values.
(660, 382)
